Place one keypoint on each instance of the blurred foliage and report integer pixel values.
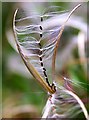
(0, 57)
(19, 90)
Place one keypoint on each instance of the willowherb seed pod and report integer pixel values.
(36, 44)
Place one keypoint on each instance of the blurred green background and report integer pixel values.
(22, 95)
